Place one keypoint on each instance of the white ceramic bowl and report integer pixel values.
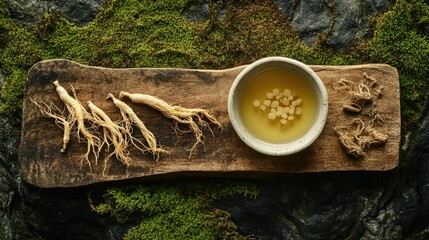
(278, 149)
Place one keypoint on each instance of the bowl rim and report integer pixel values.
(279, 149)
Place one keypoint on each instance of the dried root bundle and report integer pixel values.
(362, 138)
(87, 123)
(192, 117)
(113, 134)
(363, 96)
(363, 99)
(130, 118)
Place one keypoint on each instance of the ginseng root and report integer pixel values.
(59, 120)
(348, 143)
(367, 136)
(112, 134)
(129, 118)
(79, 114)
(363, 96)
(364, 137)
(179, 114)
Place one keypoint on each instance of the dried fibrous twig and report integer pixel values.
(344, 85)
(129, 117)
(367, 136)
(112, 134)
(373, 83)
(192, 117)
(352, 108)
(362, 95)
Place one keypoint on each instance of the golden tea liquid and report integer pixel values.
(260, 123)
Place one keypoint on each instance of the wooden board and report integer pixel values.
(43, 165)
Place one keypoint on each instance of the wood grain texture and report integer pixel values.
(43, 165)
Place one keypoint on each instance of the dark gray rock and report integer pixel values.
(352, 19)
(198, 12)
(12, 225)
(8, 174)
(80, 12)
(66, 214)
(326, 206)
(201, 10)
(343, 205)
(309, 18)
(25, 11)
(343, 20)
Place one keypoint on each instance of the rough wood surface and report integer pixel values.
(43, 165)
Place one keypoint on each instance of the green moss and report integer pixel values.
(175, 211)
(124, 34)
(400, 39)
(18, 52)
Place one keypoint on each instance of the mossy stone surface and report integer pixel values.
(158, 34)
